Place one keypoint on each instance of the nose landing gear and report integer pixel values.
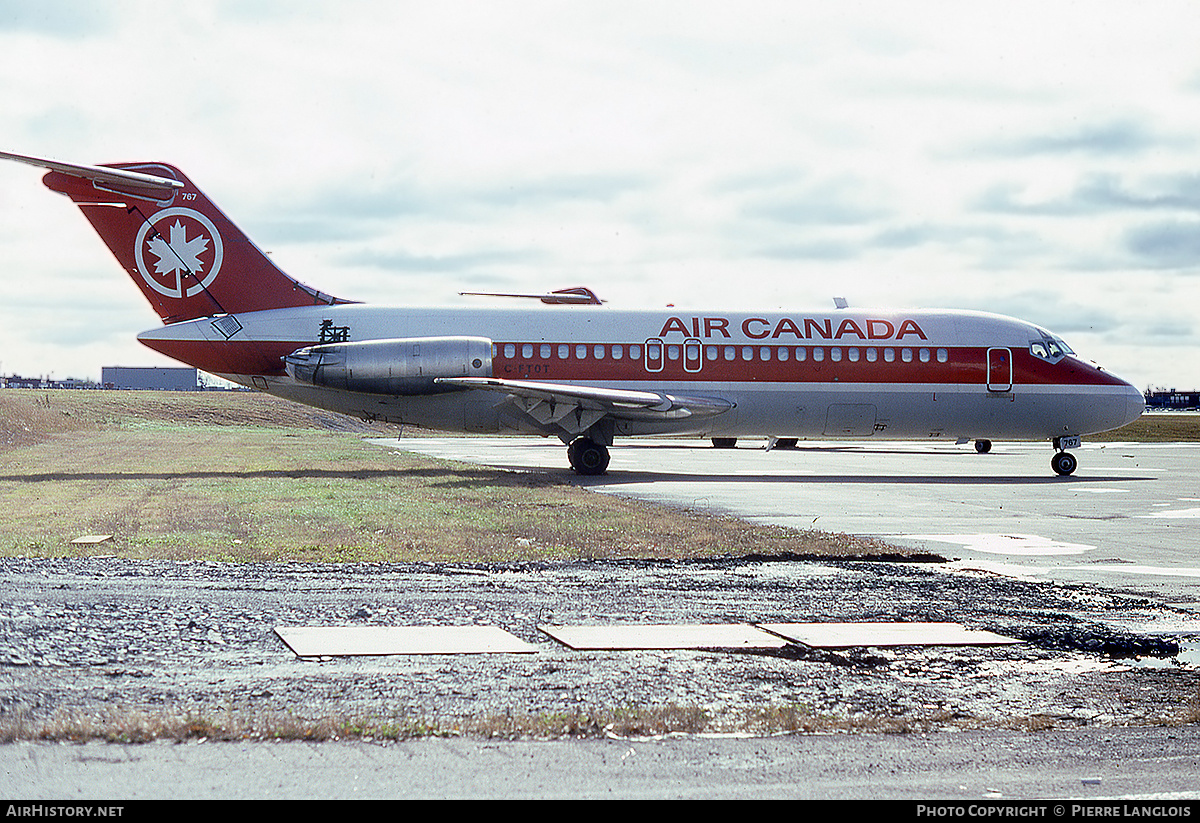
(1064, 463)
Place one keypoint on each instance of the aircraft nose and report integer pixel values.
(1135, 404)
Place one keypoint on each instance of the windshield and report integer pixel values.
(1050, 348)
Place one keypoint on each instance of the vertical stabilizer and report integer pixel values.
(184, 254)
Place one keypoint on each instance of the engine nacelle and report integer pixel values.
(396, 367)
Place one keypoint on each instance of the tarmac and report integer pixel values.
(1128, 519)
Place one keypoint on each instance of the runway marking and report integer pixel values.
(346, 641)
(1177, 514)
(1020, 544)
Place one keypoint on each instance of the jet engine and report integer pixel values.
(402, 366)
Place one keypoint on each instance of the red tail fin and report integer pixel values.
(185, 255)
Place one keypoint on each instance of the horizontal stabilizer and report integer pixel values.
(145, 183)
(577, 296)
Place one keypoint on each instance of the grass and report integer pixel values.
(248, 478)
(114, 724)
(245, 477)
(1167, 427)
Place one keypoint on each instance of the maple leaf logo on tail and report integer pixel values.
(188, 257)
(179, 255)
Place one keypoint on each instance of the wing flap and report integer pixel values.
(553, 402)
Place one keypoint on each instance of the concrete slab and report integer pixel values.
(664, 636)
(852, 635)
(343, 641)
(91, 539)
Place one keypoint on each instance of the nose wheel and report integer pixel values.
(1064, 463)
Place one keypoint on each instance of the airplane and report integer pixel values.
(562, 364)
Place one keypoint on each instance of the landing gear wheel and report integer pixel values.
(588, 457)
(724, 442)
(983, 446)
(1064, 463)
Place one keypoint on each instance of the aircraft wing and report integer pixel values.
(577, 408)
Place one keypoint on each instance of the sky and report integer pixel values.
(1037, 159)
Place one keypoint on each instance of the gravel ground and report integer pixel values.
(85, 637)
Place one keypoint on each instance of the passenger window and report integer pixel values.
(598, 351)
(835, 354)
(564, 351)
(782, 354)
(853, 355)
(818, 355)
(711, 352)
(764, 353)
(635, 352)
(545, 351)
(618, 352)
(581, 352)
(672, 352)
(889, 355)
(527, 351)
(801, 354)
(906, 355)
(747, 352)
(510, 350)
(924, 353)
(943, 355)
(730, 353)
(872, 355)
(654, 351)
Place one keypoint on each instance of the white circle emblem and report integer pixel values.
(176, 244)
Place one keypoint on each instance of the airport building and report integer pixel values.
(1173, 399)
(149, 378)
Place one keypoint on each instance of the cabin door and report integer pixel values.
(999, 370)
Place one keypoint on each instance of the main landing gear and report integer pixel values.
(587, 456)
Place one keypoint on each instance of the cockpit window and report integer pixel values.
(1051, 349)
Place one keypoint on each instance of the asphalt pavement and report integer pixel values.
(1128, 519)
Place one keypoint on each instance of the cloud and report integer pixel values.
(1121, 137)
(67, 19)
(1167, 244)
(1099, 193)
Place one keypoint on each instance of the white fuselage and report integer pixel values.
(846, 373)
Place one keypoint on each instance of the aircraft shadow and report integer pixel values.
(619, 478)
